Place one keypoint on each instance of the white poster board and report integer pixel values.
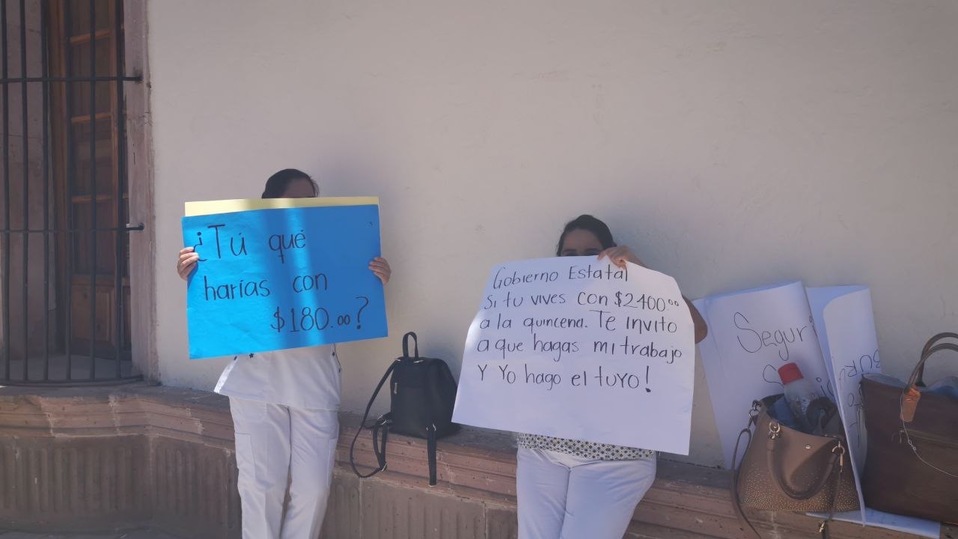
(846, 330)
(829, 332)
(576, 348)
(843, 315)
(751, 334)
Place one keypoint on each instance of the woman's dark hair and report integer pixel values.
(277, 183)
(591, 224)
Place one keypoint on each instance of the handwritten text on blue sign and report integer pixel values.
(273, 279)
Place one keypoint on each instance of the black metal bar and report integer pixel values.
(4, 68)
(70, 182)
(25, 148)
(122, 241)
(93, 186)
(124, 228)
(55, 231)
(123, 78)
(45, 70)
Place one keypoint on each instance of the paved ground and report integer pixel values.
(131, 534)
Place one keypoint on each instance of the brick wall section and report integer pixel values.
(98, 459)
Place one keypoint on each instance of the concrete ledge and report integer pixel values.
(685, 501)
(105, 459)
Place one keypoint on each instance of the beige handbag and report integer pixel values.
(787, 470)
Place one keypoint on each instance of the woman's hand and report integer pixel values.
(186, 262)
(381, 268)
(619, 255)
(701, 328)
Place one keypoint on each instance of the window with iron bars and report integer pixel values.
(64, 214)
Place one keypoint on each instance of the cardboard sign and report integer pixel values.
(577, 348)
(282, 273)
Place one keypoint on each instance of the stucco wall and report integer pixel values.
(732, 144)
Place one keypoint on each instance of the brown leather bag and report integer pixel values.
(787, 470)
(912, 463)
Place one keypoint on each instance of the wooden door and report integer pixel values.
(92, 206)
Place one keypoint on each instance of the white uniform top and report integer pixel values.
(307, 378)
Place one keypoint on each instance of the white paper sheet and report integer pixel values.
(843, 315)
(871, 517)
(751, 334)
(577, 349)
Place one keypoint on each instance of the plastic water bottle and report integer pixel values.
(800, 393)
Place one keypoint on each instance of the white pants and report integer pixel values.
(277, 445)
(567, 497)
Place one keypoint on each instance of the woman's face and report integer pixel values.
(579, 242)
(300, 188)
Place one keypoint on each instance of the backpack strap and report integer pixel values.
(405, 345)
(431, 453)
(380, 434)
(381, 425)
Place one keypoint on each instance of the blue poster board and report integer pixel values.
(271, 279)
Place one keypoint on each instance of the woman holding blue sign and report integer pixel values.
(285, 414)
(574, 488)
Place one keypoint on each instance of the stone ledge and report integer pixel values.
(100, 459)
(685, 501)
(103, 459)
(128, 409)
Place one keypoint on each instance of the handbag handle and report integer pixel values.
(405, 344)
(737, 466)
(924, 350)
(837, 455)
(911, 395)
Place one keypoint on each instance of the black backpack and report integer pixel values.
(422, 394)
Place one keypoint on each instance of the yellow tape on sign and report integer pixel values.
(210, 207)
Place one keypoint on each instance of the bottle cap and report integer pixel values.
(790, 372)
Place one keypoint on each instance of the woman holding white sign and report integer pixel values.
(571, 489)
(285, 414)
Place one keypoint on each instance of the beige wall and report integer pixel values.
(732, 144)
